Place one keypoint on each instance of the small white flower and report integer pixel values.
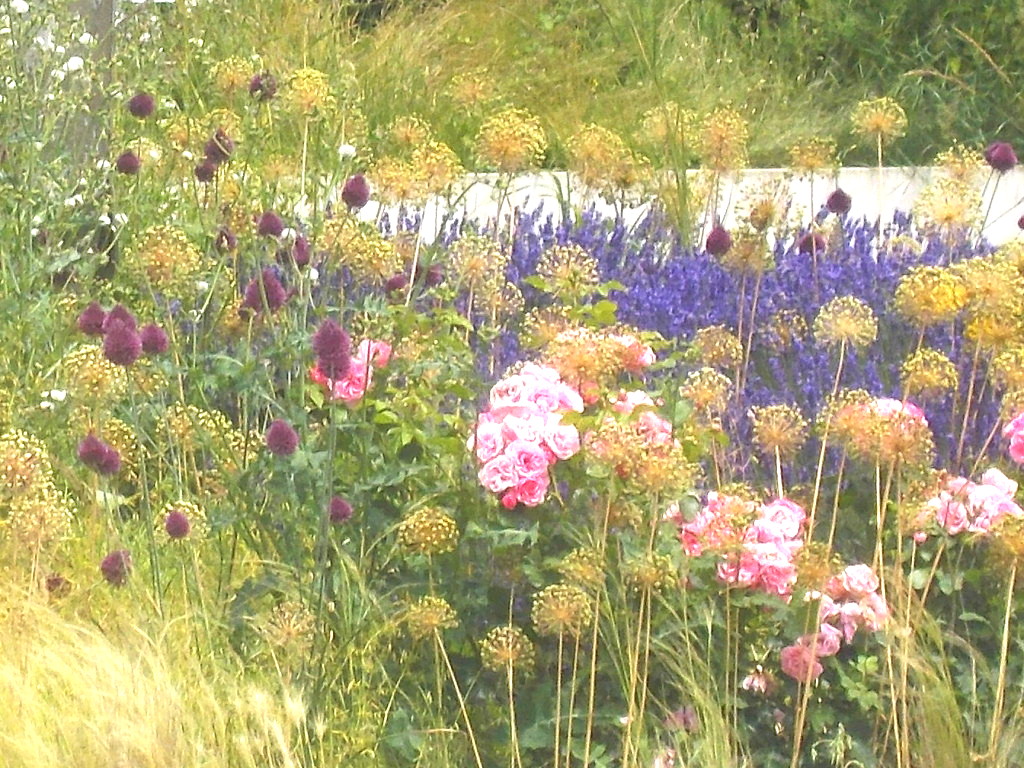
(19, 6)
(346, 151)
(202, 286)
(74, 64)
(188, 155)
(302, 209)
(104, 219)
(314, 274)
(103, 165)
(46, 405)
(287, 236)
(86, 39)
(72, 201)
(57, 394)
(121, 219)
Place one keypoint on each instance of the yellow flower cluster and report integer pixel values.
(428, 615)
(779, 428)
(880, 119)
(510, 141)
(718, 347)
(569, 272)
(561, 609)
(846, 320)
(428, 531)
(928, 295)
(163, 260)
(928, 373)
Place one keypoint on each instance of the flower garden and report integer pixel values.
(284, 482)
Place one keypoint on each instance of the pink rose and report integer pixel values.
(855, 582)
(562, 439)
(1014, 431)
(488, 440)
(656, 429)
(826, 642)
(532, 489)
(498, 474)
(800, 663)
(353, 386)
(529, 427)
(998, 480)
(626, 402)
(528, 458)
(787, 514)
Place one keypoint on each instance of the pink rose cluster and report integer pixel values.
(352, 386)
(521, 434)
(758, 542)
(961, 505)
(851, 602)
(1014, 432)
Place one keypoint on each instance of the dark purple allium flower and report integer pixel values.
(121, 343)
(339, 510)
(141, 105)
(1000, 156)
(282, 440)
(356, 192)
(205, 171)
(98, 455)
(116, 566)
(1020, 222)
(839, 202)
(177, 524)
(270, 225)
(333, 349)
(90, 322)
(57, 585)
(267, 285)
(154, 340)
(396, 283)
(128, 163)
(219, 148)
(301, 251)
(811, 242)
(263, 86)
(225, 241)
(119, 314)
(719, 241)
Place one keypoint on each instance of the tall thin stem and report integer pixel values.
(997, 707)
(462, 699)
(967, 403)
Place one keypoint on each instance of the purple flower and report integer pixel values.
(396, 283)
(177, 524)
(719, 241)
(141, 105)
(219, 148)
(339, 511)
(1000, 156)
(98, 455)
(839, 202)
(356, 192)
(90, 322)
(301, 251)
(268, 286)
(263, 86)
(282, 440)
(121, 343)
(119, 314)
(116, 567)
(811, 242)
(270, 225)
(205, 171)
(333, 349)
(128, 163)
(154, 340)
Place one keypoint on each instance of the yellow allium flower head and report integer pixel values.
(475, 259)
(289, 627)
(813, 155)
(163, 259)
(233, 74)
(779, 428)
(1007, 368)
(24, 464)
(707, 389)
(583, 568)
(569, 272)
(948, 205)
(507, 646)
(472, 89)
(848, 320)
(880, 119)
(428, 615)
(670, 126)
(511, 140)
(928, 295)
(928, 373)
(398, 181)
(718, 347)
(723, 141)
(308, 93)
(651, 572)
(437, 165)
(561, 609)
(41, 516)
(409, 131)
(961, 163)
(428, 531)
(87, 374)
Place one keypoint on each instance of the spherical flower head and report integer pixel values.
(339, 510)
(1000, 156)
(154, 339)
(219, 148)
(800, 662)
(428, 615)
(177, 524)
(719, 241)
(930, 295)
(270, 225)
(508, 646)
(428, 531)
(356, 192)
(128, 163)
(263, 87)
(707, 389)
(880, 119)
(333, 349)
(846, 320)
(119, 313)
(930, 373)
(205, 171)
(301, 251)
(141, 105)
(282, 440)
(839, 203)
(92, 451)
(779, 428)
(57, 585)
(90, 321)
(561, 609)
(396, 283)
(122, 345)
(718, 347)
(116, 566)
(569, 272)
(266, 286)
(811, 242)
(511, 140)
(1020, 223)
(813, 155)
(434, 276)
